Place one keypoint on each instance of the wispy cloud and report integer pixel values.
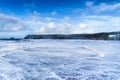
(53, 13)
(11, 23)
(89, 4)
(37, 24)
(103, 7)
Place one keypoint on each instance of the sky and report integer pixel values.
(19, 18)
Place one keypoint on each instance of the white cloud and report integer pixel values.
(89, 4)
(102, 23)
(53, 13)
(66, 18)
(51, 25)
(36, 13)
(103, 7)
(49, 19)
(11, 23)
(82, 26)
(41, 25)
(40, 30)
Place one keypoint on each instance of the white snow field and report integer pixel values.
(59, 60)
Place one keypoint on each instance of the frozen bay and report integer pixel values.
(59, 60)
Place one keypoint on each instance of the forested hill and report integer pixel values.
(95, 36)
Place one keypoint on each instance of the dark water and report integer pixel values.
(59, 60)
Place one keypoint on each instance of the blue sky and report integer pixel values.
(21, 17)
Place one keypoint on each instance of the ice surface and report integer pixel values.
(59, 60)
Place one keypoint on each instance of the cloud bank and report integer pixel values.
(37, 24)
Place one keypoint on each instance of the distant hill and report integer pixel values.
(95, 36)
(7, 39)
